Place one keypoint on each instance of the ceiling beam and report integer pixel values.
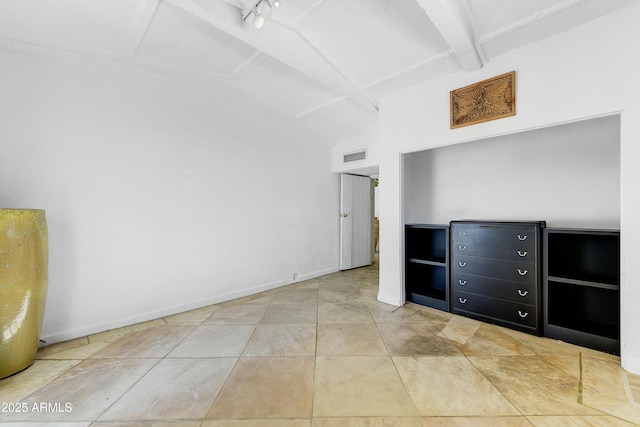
(452, 23)
(140, 28)
(277, 41)
(528, 20)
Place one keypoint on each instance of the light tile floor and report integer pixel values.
(319, 353)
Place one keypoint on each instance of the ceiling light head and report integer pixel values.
(257, 9)
(258, 20)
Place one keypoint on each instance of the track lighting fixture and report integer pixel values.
(258, 20)
(256, 10)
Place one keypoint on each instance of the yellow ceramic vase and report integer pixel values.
(24, 253)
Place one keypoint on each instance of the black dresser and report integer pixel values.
(496, 272)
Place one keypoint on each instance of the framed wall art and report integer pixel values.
(489, 99)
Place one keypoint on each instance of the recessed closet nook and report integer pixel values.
(564, 280)
(568, 175)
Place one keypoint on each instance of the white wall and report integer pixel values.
(158, 198)
(567, 175)
(588, 72)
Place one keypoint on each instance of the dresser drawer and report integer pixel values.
(509, 252)
(487, 237)
(521, 272)
(522, 293)
(521, 314)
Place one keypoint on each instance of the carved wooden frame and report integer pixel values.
(480, 102)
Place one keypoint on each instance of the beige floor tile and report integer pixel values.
(359, 386)
(339, 278)
(579, 421)
(384, 306)
(451, 386)
(77, 353)
(181, 423)
(369, 276)
(634, 380)
(535, 386)
(241, 314)
(635, 394)
(297, 296)
(606, 396)
(542, 345)
(367, 284)
(476, 422)
(192, 317)
(174, 389)
(258, 423)
(416, 339)
(306, 284)
(290, 313)
(42, 372)
(604, 377)
(280, 387)
(277, 382)
(370, 294)
(262, 299)
(214, 341)
(404, 314)
(114, 334)
(153, 342)
(232, 302)
(344, 313)
(47, 424)
(440, 316)
(61, 346)
(452, 319)
(477, 339)
(282, 340)
(569, 364)
(339, 294)
(350, 339)
(615, 408)
(89, 388)
(367, 422)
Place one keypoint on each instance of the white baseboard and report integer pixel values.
(631, 364)
(87, 330)
(388, 299)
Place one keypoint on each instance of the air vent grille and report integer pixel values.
(352, 157)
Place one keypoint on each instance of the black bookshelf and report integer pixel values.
(427, 265)
(581, 287)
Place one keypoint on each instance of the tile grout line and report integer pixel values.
(315, 361)
(495, 386)
(580, 383)
(158, 360)
(235, 365)
(404, 385)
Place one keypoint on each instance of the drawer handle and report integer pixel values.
(462, 282)
(462, 233)
(522, 253)
(522, 293)
(462, 264)
(522, 238)
(462, 300)
(523, 315)
(522, 273)
(462, 248)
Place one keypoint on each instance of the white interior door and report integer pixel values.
(356, 221)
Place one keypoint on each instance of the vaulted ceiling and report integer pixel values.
(324, 63)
